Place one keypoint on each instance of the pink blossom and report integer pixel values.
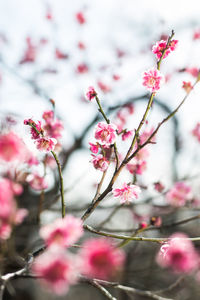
(137, 166)
(160, 46)
(82, 68)
(5, 230)
(100, 162)
(81, 45)
(127, 134)
(103, 87)
(91, 93)
(105, 133)
(127, 193)
(36, 182)
(145, 135)
(56, 269)
(20, 215)
(80, 18)
(116, 77)
(179, 194)
(193, 71)
(196, 131)
(36, 130)
(178, 254)
(45, 144)
(101, 259)
(152, 79)
(196, 35)
(11, 147)
(30, 52)
(54, 128)
(62, 232)
(94, 148)
(187, 86)
(60, 55)
(48, 116)
(159, 187)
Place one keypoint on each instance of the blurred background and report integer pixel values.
(55, 50)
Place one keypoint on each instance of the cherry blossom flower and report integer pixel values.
(45, 144)
(187, 86)
(91, 93)
(101, 259)
(36, 128)
(100, 162)
(193, 71)
(196, 35)
(127, 193)
(160, 46)
(11, 147)
(178, 194)
(137, 166)
(152, 80)
(56, 270)
(104, 87)
(196, 131)
(36, 182)
(80, 18)
(53, 129)
(82, 68)
(60, 55)
(94, 148)
(30, 53)
(62, 232)
(105, 133)
(127, 134)
(48, 116)
(178, 254)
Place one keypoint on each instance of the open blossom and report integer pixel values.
(101, 259)
(45, 144)
(127, 193)
(62, 232)
(91, 93)
(160, 46)
(53, 128)
(105, 133)
(36, 130)
(152, 80)
(179, 194)
(56, 270)
(196, 131)
(11, 147)
(94, 148)
(127, 135)
(178, 254)
(36, 182)
(48, 116)
(100, 162)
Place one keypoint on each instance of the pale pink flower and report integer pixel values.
(36, 182)
(179, 194)
(101, 259)
(178, 254)
(145, 135)
(100, 162)
(94, 148)
(104, 87)
(127, 134)
(196, 131)
(56, 270)
(105, 133)
(127, 193)
(45, 144)
(137, 166)
(62, 232)
(187, 86)
(11, 147)
(20, 215)
(91, 93)
(5, 230)
(54, 128)
(193, 71)
(48, 116)
(152, 80)
(30, 52)
(159, 187)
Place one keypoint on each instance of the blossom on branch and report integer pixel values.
(100, 162)
(127, 193)
(152, 80)
(105, 133)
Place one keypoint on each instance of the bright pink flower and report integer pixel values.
(137, 166)
(127, 134)
(45, 144)
(62, 232)
(81, 45)
(159, 187)
(105, 133)
(48, 116)
(178, 254)
(179, 194)
(37, 130)
(80, 18)
(11, 147)
(100, 162)
(94, 148)
(91, 93)
(152, 79)
(101, 259)
(187, 86)
(196, 131)
(56, 269)
(116, 77)
(60, 55)
(127, 193)
(196, 35)
(160, 46)
(36, 182)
